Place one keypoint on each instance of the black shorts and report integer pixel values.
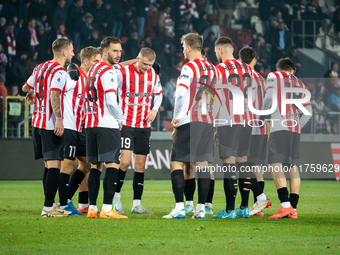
(102, 145)
(74, 144)
(234, 141)
(284, 147)
(136, 139)
(258, 150)
(47, 145)
(193, 142)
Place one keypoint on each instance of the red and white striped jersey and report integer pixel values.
(46, 77)
(239, 74)
(259, 87)
(290, 121)
(73, 103)
(198, 76)
(135, 91)
(101, 79)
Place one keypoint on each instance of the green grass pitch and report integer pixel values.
(23, 231)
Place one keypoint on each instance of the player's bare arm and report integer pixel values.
(55, 103)
(30, 94)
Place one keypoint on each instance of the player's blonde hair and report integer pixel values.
(88, 53)
(194, 40)
(60, 44)
(148, 53)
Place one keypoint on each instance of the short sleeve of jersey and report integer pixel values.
(119, 78)
(109, 81)
(59, 80)
(157, 90)
(30, 81)
(271, 82)
(185, 77)
(70, 84)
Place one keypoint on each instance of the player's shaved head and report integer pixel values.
(89, 52)
(247, 55)
(285, 64)
(60, 44)
(105, 44)
(147, 53)
(224, 42)
(194, 40)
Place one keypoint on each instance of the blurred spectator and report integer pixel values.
(25, 9)
(209, 48)
(225, 10)
(275, 20)
(76, 59)
(61, 32)
(333, 104)
(100, 15)
(292, 54)
(118, 18)
(202, 24)
(140, 6)
(132, 46)
(265, 8)
(3, 89)
(264, 54)
(44, 45)
(280, 41)
(17, 73)
(9, 42)
(2, 25)
(128, 10)
(59, 15)
(42, 23)
(164, 110)
(3, 61)
(15, 91)
(95, 40)
(183, 30)
(320, 112)
(170, 88)
(12, 7)
(166, 59)
(165, 23)
(87, 27)
(336, 20)
(17, 25)
(319, 89)
(74, 18)
(27, 38)
(37, 9)
(332, 78)
(31, 63)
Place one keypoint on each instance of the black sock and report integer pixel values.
(283, 194)
(94, 184)
(76, 179)
(211, 191)
(189, 189)
(110, 184)
(83, 197)
(255, 186)
(64, 180)
(138, 185)
(51, 186)
(44, 178)
(120, 180)
(177, 180)
(294, 199)
(244, 184)
(230, 186)
(203, 183)
(261, 183)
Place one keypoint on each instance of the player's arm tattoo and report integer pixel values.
(55, 102)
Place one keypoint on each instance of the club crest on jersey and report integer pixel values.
(149, 84)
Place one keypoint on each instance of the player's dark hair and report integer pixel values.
(203, 53)
(285, 64)
(89, 52)
(333, 64)
(224, 41)
(247, 54)
(60, 44)
(194, 40)
(105, 44)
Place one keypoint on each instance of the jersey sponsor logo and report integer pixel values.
(39, 108)
(136, 94)
(91, 109)
(81, 96)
